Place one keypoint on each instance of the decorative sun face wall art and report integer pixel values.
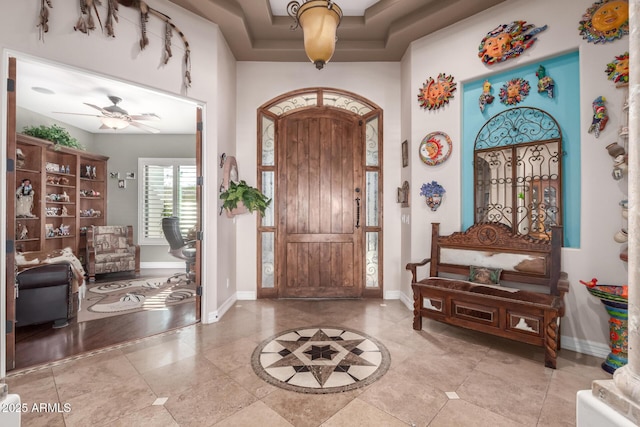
(436, 92)
(618, 69)
(507, 41)
(605, 21)
(514, 91)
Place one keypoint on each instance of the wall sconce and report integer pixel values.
(319, 20)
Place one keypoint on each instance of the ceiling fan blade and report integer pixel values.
(102, 110)
(145, 116)
(144, 127)
(76, 114)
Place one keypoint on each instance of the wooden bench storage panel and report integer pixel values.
(527, 304)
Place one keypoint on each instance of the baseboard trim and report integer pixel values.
(407, 301)
(391, 295)
(585, 347)
(216, 315)
(162, 265)
(247, 295)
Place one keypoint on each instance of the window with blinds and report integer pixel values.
(167, 187)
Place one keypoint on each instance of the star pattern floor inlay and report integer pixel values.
(320, 360)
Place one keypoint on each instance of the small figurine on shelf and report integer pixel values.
(20, 158)
(93, 173)
(65, 212)
(22, 231)
(64, 197)
(24, 202)
(600, 117)
(68, 170)
(87, 172)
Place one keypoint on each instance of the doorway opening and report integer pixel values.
(49, 94)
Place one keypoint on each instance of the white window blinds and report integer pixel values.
(167, 188)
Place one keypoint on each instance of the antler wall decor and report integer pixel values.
(86, 24)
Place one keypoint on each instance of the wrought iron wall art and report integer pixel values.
(518, 171)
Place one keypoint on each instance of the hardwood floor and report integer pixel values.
(38, 344)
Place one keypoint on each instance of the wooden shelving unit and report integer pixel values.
(70, 195)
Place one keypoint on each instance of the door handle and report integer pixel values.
(357, 212)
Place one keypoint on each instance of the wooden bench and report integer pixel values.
(525, 306)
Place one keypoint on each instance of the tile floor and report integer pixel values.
(201, 375)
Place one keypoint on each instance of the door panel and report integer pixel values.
(320, 174)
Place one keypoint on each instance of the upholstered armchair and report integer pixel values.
(110, 249)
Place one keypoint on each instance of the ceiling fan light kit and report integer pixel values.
(116, 118)
(113, 123)
(319, 20)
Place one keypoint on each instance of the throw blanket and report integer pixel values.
(32, 259)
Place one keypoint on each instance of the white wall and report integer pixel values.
(454, 51)
(259, 82)
(120, 57)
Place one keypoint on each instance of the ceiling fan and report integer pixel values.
(115, 117)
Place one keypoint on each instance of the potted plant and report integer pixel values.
(239, 195)
(54, 133)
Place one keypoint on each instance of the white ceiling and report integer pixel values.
(67, 90)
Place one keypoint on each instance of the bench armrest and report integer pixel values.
(412, 266)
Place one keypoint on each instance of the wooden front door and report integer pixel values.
(320, 199)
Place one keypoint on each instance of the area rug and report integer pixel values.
(128, 296)
(320, 360)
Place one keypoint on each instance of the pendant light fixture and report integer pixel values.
(319, 20)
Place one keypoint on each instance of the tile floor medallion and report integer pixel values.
(320, 360)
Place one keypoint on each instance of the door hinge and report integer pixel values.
(199, 291)
(9, 326)
(10, 165)
(199, 126)
(199, 180)
(199, 235)
(11, 85)
(10, 246)
(360, 122)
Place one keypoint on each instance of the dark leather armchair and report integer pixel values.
(179, 247)
(45, 295)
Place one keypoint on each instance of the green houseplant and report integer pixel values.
(240, 193)
(54, 133)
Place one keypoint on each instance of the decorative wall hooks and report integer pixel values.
(514, 91)
(436, 92)
(618, 69)
(605, 21)
(507, 41)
